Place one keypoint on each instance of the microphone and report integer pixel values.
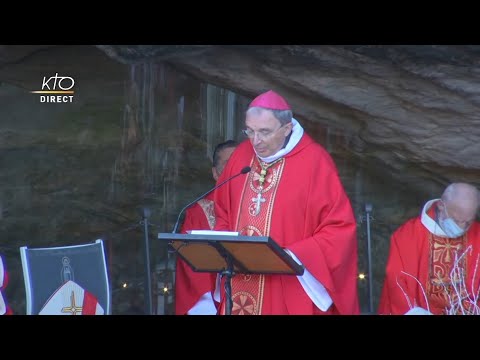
(245, 170)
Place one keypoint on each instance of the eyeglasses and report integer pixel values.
(262, 135)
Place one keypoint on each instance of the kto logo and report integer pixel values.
(62, 86)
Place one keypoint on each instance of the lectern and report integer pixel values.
(229, 255)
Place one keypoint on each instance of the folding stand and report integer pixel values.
(229, 255)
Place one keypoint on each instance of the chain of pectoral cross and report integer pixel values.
(263, 174)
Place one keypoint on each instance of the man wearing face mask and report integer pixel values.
(434, 260)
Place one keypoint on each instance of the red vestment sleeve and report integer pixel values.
(330, 252)
(392, 298)
(406, 270)
(191, 285)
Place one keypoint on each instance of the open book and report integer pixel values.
(212, 232)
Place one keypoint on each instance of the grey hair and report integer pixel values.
(284, 116)
(455, 189)
(449, 192)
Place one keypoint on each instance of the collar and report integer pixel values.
(429, 222)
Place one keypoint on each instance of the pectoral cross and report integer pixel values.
(259, 199)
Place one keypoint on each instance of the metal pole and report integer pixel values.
(368, 209)
(228, 292)
(148, 282)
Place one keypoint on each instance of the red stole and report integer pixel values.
(447, 269)
(254, 219)
(208, 208)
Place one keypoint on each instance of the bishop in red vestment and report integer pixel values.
(434, 258)
(294, 195)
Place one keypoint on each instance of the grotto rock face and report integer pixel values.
(411, 111)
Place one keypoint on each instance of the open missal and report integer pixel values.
(212, 232)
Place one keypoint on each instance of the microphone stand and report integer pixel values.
(368, 210)
(228, 272)
(245, 170)
(148, 291)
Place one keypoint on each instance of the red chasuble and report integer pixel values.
(303, 207)
(191, 285)
(429, 259)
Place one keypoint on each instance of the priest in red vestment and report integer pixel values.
(294, 195)
(433, 263)
(193, 290)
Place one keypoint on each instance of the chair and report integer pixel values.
(66, 280)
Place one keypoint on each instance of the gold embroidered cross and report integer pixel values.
(445, 249)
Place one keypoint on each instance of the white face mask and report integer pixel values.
(450, 227)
